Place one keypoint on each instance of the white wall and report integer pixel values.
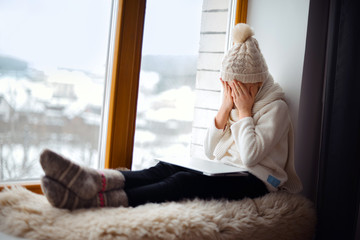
(280, 27)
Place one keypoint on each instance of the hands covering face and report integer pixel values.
(228, 102)
(241, 95)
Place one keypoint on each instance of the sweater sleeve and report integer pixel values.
(213, 136)
(255, 140)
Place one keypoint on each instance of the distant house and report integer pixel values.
(5, 109)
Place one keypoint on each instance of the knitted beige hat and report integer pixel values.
(244, 61)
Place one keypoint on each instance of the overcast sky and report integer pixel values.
(74, 33)
(65, 33)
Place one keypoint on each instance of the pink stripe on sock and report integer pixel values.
(101, 193)
(103, 181)
(101, 199)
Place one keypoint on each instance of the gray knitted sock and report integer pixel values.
(61, 197)
(85, 182)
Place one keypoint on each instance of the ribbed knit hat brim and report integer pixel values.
(244, 78)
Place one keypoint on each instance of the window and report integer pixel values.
(178, 93)
(167, 80)
(53, 57)
(126, 54)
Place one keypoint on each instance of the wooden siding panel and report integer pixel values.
(210, 61)
(212, 43)
(198, 135)
(209, 5)
(202, 117)
(208, 99)
(208, 80)
(214, 21)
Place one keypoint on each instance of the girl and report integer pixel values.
(252, 129)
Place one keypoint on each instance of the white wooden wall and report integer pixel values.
(214, 24)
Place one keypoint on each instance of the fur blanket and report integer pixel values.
(275, 216)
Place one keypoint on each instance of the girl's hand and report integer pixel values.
(244, 97)
(225, 108)
(227, 102)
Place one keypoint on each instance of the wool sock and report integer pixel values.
(61, 197)
(85, 182)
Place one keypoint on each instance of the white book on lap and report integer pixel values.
(205, 167)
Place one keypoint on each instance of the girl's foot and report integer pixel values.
(85, 182)
(61, 197)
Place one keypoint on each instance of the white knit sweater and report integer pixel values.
(263, 144)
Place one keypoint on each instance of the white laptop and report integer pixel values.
(206, 167)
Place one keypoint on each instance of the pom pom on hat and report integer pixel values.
(241, 32)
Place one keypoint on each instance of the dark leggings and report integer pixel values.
(166, 182)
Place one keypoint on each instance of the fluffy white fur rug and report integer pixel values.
(274, 216)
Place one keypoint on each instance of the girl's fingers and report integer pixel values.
(234, 93)
(236, 87)
(243, 88)
(232, 85)
(229, 87)
(225, 85)
(225, 88)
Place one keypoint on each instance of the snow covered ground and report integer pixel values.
(63, 112)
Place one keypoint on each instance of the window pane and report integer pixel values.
(52, 72)
(167, 80)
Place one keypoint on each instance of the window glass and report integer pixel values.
(167, 80)
(52, 72)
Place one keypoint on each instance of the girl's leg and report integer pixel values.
(61, 196)
(189, 185)
(160, 171)
(172, 188)
(232, 187)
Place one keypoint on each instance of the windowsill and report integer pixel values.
(31, 185)
(20, 182)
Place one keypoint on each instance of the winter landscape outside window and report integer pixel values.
(52, 73)
(167, 80)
